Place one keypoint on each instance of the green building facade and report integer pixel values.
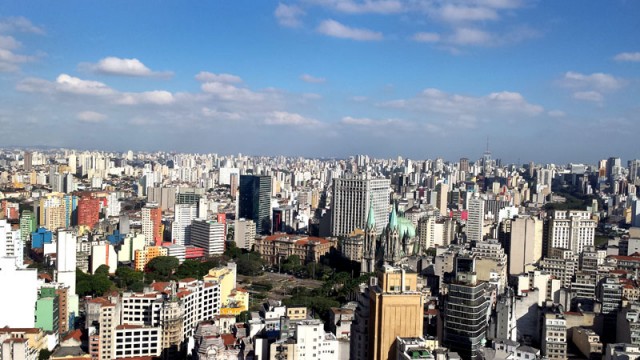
(47, 310)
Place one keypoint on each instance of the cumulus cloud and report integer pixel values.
(465, 111)
(10, 60)
(628, 56)
(74, 85)
(288, 118)
(19, 24)
(592, 96)
(90, 117)
(229, 92)
(123, 67)
(205, 76)
(595, 81)
(462, 13)
(312, 79)
(216, 114)
(289, 15)
(155, 97)
(365, 6)
(335, 29)
(348, 120)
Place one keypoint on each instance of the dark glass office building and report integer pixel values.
(255, 201)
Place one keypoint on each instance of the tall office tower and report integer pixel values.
(165, 197)
(464, 165)
(570, 229)
(396, 309)
(635, 213)
(70, 210)
(475, 220)
(152, 224)
(88, 212)
(443, 194)
(351, 201)
(614, 167)
(254, 202)
(72, 162)
(208, 235)
(184, 214)
(28, 161)
(233, 182)
(244, 233)
(634, 170)
(524, 246)
(465, 312)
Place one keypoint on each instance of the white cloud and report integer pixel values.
(312, 79)
(156, 97)
(216, 114)
(462, 13)
(365, 6)
(426, 37)
(287, 118)
(74, 85)
(595, 81)
(335, 29)
(348, 120)
(91, 116)
(226, 91)
(593, 96)
(289, 15)
(205, 76)
(19, 24)
(9, 59)
(125, 67)
(628, 56)
(465, 111)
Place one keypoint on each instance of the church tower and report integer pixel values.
(367, 265)
(393, 245)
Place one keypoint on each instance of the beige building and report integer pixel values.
(21, 343)
(396, 309)
(278, 247)
(352, 246)
(587, 341)
(525, 245)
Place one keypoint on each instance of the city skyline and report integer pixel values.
(325, 78)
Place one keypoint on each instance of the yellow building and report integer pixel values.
(297, 313)
(226, 277)
(237, 302)
(24, 343)
(396, 308)
(145, 255)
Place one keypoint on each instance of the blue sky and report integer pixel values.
(549, 81)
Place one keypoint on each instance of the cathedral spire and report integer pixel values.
(371, 219)
(393, 219)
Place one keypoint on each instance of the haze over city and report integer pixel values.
(545, 81)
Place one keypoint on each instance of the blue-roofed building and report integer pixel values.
(40, 237)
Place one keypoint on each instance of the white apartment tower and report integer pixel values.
(184, 215)
(208, 235)
(11, 244)
(475, 220)
(244, 233)
(351, 201)
(571, 229)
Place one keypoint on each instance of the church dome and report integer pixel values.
(405, 226)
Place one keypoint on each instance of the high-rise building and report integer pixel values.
(66, 259)
(443, 193)
(254, 202)
(396, 309)
(475, 220)
(465, 312)
(525, 244)
(11, 244)
(208, 235)
(28, 225)
(152, 224)
(350, 204)
(88, 212)
(184, 214)
(570, 229)
(464, 165)
(244, 233)
(17, 305)
(634, 170)
(28, 161)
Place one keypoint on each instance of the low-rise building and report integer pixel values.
(278, 247)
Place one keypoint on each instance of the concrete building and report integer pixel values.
(244, 233)
(21, 343)
(475, 221)
(104, 253)
(554, 335)
(152, 224)
(24, 293)
(351, 201)
(135, 341)
(131, 243)
(525, 244)
(142, 257)
(587, 342)
(184, 214)
(208, 235)
(276, 248)
(11, 244)
(570, 229)
(396, 309)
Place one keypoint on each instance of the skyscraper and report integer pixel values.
(475, 221)
(208, 235)
(28, 161)
(184, 214)
(351, 201)
(254, 202)
(571, 229)
(152, 224)
(525, 244)
(88, 212)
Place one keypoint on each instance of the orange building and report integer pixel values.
(88, 212)
(145, 255)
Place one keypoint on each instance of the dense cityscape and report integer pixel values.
(203, 256)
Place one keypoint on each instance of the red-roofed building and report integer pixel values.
(281, 246)
(88, 212)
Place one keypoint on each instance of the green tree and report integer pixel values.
(232, 251)
(250, 264)
(102, 270)
(125, 277)
(189, 269)
(44, 354)
(100, 284)
(161, 268)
